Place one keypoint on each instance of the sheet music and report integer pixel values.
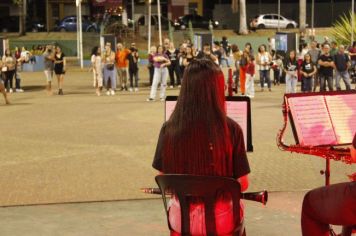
(342, 110)
(237, 111)
(312, 121)
(170, 105)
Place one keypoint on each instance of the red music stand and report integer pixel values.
(322, 124)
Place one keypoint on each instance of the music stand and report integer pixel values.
(321, 124)
(238, 109)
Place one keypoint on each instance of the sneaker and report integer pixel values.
(162, 99)
(171, 86)
(150, 100)
(130, 89)
(11, 91)
(112, 92)
(179, 86)
(136, 89)
(19, 91)
(108, 93)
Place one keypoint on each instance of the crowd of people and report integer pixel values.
(313, 64)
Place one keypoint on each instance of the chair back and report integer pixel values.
(206, 188)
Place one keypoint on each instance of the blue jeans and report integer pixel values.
(323, 80)
(345, 77)
(264, 75)
(307, 84)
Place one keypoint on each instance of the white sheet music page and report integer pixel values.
(170, 105)
(237, 111)
(312, 121)
(342, 109)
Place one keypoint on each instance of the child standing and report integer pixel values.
(250, 74)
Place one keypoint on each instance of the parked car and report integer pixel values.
(69, 23)
(11, 24)
(271, 21)
(154, 21)
(197, 22)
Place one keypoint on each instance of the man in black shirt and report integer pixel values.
(326, 68)
(342, 64)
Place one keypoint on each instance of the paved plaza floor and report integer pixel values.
(83, 148)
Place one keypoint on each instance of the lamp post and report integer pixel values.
(149, 25)
(279, 13)
(312, 18)
(79, 30)
(133, 14)
(159, 21)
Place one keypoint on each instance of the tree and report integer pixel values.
(240, 6)
(302, 14)
(243, 21)
(22, 18)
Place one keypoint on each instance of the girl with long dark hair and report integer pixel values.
(291, 68)
(200, 139)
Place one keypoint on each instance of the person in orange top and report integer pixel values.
(122, 64)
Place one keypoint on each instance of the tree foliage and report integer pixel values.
(342, 29)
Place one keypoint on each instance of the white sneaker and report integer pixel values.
(108, 92)
(171, 86)
(112, 92)
(11, 90)
(162, 99)
(19, 91)
(136, 89)
(130, 89)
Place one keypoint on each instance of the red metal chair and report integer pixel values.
(205, 188)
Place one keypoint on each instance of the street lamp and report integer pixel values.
(149, 25)
(279, 13)
(79, 30)
(159, 21)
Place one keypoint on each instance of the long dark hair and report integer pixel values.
(197, 139)
(94, 51)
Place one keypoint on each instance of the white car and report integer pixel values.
(271, 21)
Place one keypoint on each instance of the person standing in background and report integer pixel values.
(150, 66)
(173, 68)
(122, 65)
(250, 74)
(236, 54)
(264, 60)
(327, 65)
(342, 65)
(308, 70)
(161, 62)
(290, 69)
(97, 69)
(9, 68)
(48, 67)
(133, 59)
(59, 68)
(2, 87)
(314, 53)
(109, 70)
